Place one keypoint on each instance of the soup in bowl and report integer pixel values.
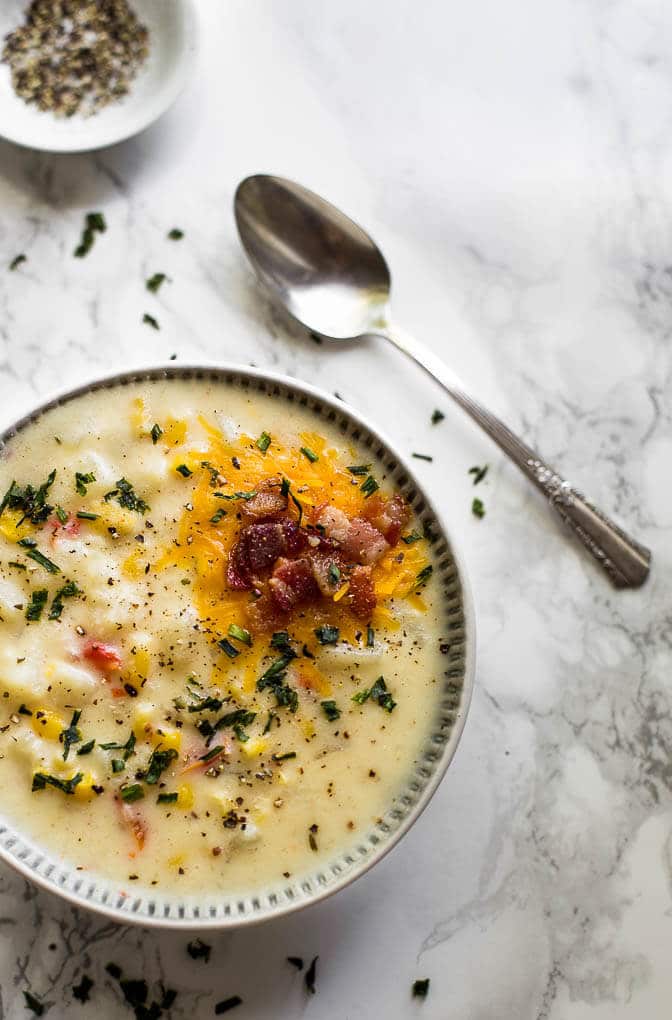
(235, 646)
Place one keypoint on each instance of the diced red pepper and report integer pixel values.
(104, 657)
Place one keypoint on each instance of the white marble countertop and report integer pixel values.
(514, 162)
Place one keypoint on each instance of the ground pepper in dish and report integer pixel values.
(75, 56)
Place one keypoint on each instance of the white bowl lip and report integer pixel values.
(147, 115)
(227, 370)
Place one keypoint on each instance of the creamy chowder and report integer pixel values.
(220, 636)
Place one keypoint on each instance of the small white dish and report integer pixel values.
(172, 48)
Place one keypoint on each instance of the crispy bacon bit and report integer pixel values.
(361, 593)
(293, 584)
(359, 540)
(327, 566)
(257, 549)
(389, 516)
(264, 614)
(135, 821)
(269, 501)
(104, 657)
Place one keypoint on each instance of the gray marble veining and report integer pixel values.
(514, 162)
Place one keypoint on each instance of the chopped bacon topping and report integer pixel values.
(361, 593)
(293, 584)
(104, 657)
(388, 516)
(359, 541)
(64, 529)
(257, 549)
(269, 501)
(327, 566)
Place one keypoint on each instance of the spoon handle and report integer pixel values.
(624, 560)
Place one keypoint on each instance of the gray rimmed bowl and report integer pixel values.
(217, 909)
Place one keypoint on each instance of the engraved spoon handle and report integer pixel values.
(624, 560)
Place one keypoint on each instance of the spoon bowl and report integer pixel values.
(313, 259)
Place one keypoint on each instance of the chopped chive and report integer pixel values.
(155, 281)
(240, 634)
(409, 539)
(280, 641)
(149, 320)
(420, 988)
(84, 515)
(166, 798)
(38, 600)
(228, 648)
(327, 635)
(217, 516)
(437, 416)
(61, 514)
(68, 591)
(71, 735)
(17, 566)
(94, 223)
(423, 576)
(284, 757)
(17, 261)
(183, 470)
(263, 442)
(370, 637)
(212, 753)
(369, 486)
(118, 765)
(310, 454)
(359, 469)
(235, 495)
(175, 234)
(378, 693)
(129, 794)
(41, 780)
(269, 722)
(422, 456)
(156, 433)
(82, 480)
(477, 508)
(331, 710)
(479, 473)
(86, 748)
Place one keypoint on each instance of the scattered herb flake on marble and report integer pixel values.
(422, 456)
(154, 282)
(93, 224)
(479, 473)
(17, 261)
(226, 1004)
(296, 961)
(437, 416)
(420, 988)
(33, 1004)
(175, 234)
(149, 320)
(477, 508)
(82, 990)
(310, 976)
(199, 950)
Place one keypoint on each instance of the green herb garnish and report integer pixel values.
(423, 576)
(84, 515)
(477, 508)
(437, 416)
(38, 600)
(128, 748)
(359, 469)
(269, 722)
(61, 514)
(16, 566)
(228, 648)
(422, 456)
(217, 516)
(71, 735)
(420, 988)
(82, 480)
(176, 234)
(331, 710)
(17, 261)
(212, 753)
(93, 224)
(237, 719)
(334, 573)
(86, 748)
(206, 705)
(166, 798)
(33, 1004)
(284, 757)
(378, 693)
(235, 495)
(31, 501)
(118, 765)
(369, 486)
(280, 641)
(149, 320)
(409, 539)
(286, 490)
(156, 433)
(158, 763)
(240, 634)
(155, 281)
(38, 557)
(311, 972)
(327, 635)
(68, 591)
(41, 780)
(263, 442)
(479, 473)
(183, 470)
(125, 496)
(309, 454)
(129, 794)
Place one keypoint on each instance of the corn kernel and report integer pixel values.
(254, 746)
(185, 796)
(84, 790)
(46, 724)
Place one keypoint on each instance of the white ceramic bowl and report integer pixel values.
(168, 909)
(172, 48)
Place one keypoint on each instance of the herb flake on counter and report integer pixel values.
(156, 433)
(41, 780)
(477, 508)
(158, 763)
(38, 601)
(71, 735)
(263, 442)
(327, 635)
(479, 473)
(149, 320)
(183, 470)
(310, 976)
(82, 990)
(309, 454)
(155, 281)
(33, 1004)
(175, 234)
(240, 634)
(17, 261)
(437, 416)
(369, 486)
(378, 693)
(359, 469)
(93, 224)
(86, 748)
(125, 496)
(129, 794)
(226, 1004)
(82, 480)
(199, 950)
(422, 456)
(296, 961)
(420, 988)
(331, 710)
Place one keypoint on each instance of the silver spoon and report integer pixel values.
(328, 273)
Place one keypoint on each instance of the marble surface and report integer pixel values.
(514, 162)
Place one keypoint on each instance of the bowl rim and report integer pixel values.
(228, 371)
(146, 115)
